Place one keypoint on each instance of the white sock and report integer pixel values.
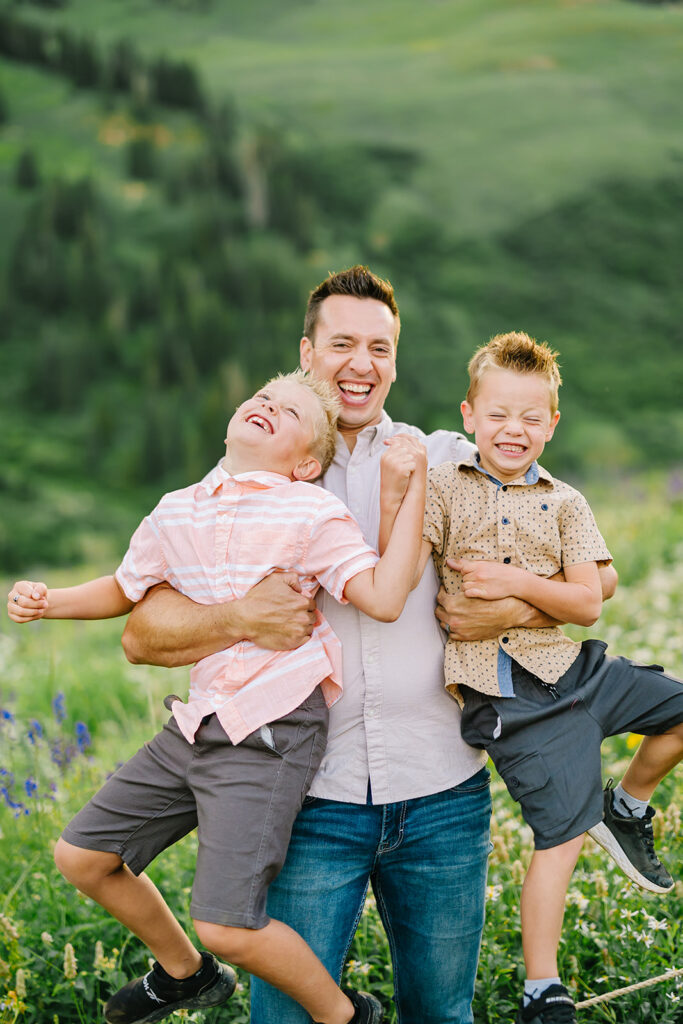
(535, 987)
(629, 805)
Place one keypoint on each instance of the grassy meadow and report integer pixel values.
(72, 709)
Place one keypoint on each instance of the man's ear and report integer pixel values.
(467, 417)
(305, 353)
(308, 469)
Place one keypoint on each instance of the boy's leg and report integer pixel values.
(542, 906)
(640, 699)
(143, 808)
(279, 956)
(133, 900)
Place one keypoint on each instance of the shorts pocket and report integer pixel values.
(530, 783)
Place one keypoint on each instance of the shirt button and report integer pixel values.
(507, 559)
(505, 487)
(371, 712)
(505, 520)
(544, 507)
(506, 639)
(514, 781)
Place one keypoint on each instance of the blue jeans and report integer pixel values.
(426, 860)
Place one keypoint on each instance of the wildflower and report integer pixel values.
(517, 872)
(47, 938)
(8, 927)
(82, 736)
(58, 709)
(4, 969)
(13, 1003)
(20, 983)
(6, 716)
(35, 731)
(600, 883)
(673, 819)
(30, 788)
(493, 893)
(70, 962)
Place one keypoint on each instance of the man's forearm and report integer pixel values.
(166, 628)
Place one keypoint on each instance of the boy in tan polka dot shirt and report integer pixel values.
(498, 525)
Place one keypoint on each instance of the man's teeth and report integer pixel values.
(356, 389)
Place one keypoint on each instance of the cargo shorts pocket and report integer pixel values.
(530, 783)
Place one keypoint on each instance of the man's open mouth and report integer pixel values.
(259, 421)
(355, 390)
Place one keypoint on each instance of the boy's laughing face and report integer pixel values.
(273, 432)
(511, 419)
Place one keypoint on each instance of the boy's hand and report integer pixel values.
(403, 456)
(490, 581)
(27, 601)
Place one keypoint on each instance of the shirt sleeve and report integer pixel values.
(579, 533)
(337, 550)
(436, 513)
(143, 565)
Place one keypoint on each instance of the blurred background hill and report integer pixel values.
(175, 175)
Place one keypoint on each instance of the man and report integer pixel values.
(400, 801)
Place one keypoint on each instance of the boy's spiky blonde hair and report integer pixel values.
(519, 352)
(324, 440)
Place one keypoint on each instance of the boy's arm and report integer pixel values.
(381, 592)
(98, 599)
(471, 618)
(578, 599)
(166, 628)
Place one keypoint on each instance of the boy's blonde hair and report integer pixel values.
(324, 440)
(515, 351)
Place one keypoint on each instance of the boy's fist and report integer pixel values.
(27, 601)
(403, 456)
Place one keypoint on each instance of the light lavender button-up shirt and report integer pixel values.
(395, 725)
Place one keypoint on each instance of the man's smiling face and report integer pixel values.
(354, 348)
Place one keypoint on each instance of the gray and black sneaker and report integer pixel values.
(630, 842)
(554, 1006)
(368, 1009)
(156, 995)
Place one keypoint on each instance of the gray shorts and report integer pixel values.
(547, 739)
(242, 799)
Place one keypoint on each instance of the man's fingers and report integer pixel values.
(291, 579)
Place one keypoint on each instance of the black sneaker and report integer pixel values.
(630, 842)
(368, 1009)
(554, 1006)
(138, 1002)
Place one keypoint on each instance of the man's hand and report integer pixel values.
(470, 618)
(490, 581)
(276, 614)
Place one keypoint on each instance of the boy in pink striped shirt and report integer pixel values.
(237, 759)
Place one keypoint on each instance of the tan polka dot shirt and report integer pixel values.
(540, 526)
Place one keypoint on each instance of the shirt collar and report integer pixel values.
(366, 440)
(218, 476)
(532, 476)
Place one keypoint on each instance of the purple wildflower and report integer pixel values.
(58, 709)
(35, 731)
(82, 736)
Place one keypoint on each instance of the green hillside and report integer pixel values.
(175, 176)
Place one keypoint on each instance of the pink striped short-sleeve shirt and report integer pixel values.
(215, 540)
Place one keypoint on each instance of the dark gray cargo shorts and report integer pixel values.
(242, 799)
(545, 741)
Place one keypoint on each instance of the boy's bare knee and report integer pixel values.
(83, 868)
(237, 945)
